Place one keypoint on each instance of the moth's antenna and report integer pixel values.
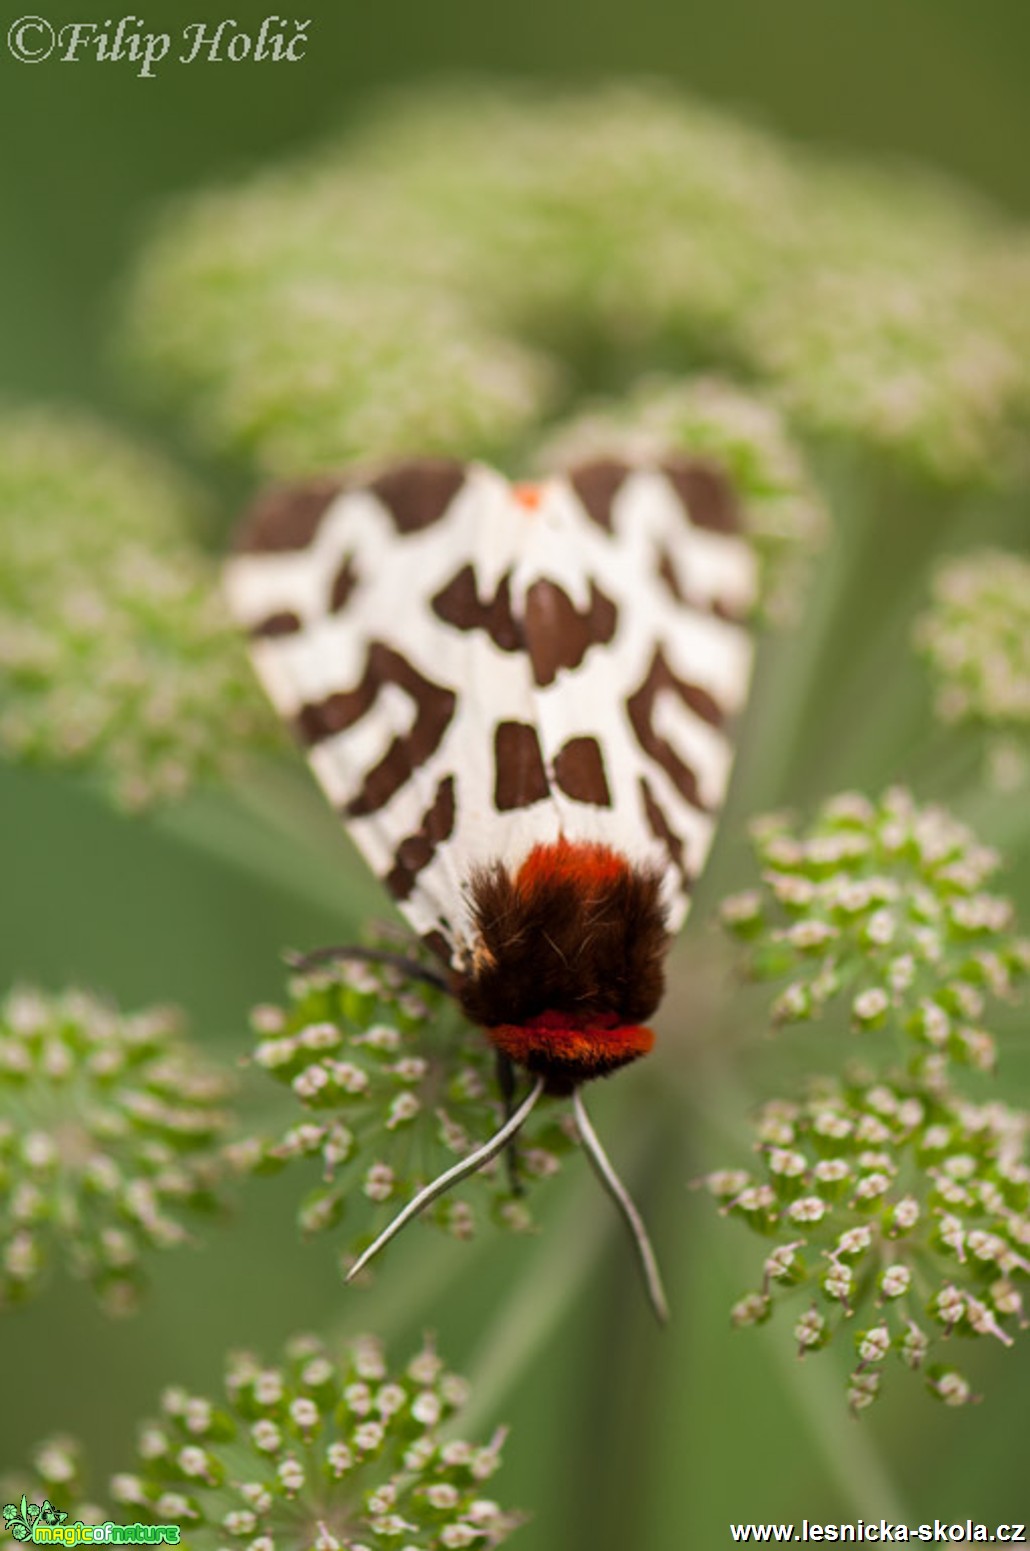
(620, 1195)
(348, 955)
(459, 1171)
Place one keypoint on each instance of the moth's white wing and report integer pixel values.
(476, 668)
(651, 706)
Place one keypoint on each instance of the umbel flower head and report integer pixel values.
(883, 905)
(320, 1452)
(785, 516)
(109, 1136)
(324, 1451)
(976, 638)
(895, 1209)
(392, 1086)
(450, 273)
(115, 654)
(54, 1485)
(893, 1201)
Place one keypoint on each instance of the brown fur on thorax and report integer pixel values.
(580, 943)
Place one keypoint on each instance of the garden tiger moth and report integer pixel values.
(517, 699)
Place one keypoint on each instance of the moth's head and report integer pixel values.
(566, 1051)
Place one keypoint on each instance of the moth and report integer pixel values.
(518, 698)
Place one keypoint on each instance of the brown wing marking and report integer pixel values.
(717, 607)
(287, 517)
(418, 491)
(667, 572)
(579, 772)
(597, 483)
(437, 942)
(557, 634)
(284, 622)
(417, 851)
(519, 775)
(460, 605)
(705, 490)
(640, 706)
(434, 709)
(663, 831)
(344, 583)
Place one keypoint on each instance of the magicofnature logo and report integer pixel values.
(43, 1524)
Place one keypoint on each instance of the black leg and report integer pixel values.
(506, 1083)
(410, 967)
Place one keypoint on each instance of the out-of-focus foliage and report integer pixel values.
(442, 279)
(116, 655)
(976, 638)
(109, 1137)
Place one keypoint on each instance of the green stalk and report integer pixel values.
(788, 676)
(539, 1303)
(248, 834)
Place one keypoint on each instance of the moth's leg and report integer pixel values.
(506, 1081)
(343, 955)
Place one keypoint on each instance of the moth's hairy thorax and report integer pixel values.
(567, 960)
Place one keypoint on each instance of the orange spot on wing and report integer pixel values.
(528, 496)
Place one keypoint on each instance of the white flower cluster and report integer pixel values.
(883, 903)
(325, 1449)
(391, 1084)
(976, 638)
(446, 276)
(911, 1203)
(888, 1191)
(110, 1135)
(115, 654)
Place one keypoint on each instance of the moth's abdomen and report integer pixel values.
(567, 959)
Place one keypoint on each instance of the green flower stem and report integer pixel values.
(875, 709)
(542, 1297)
(1004, 821)
(843, 680)
(437, 1264)
(779, 713)
(524, 1323)
(839, 678)
(248, 834)
(871, 742)
(945, 764)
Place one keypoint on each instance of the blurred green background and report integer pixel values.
(622, 1437)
